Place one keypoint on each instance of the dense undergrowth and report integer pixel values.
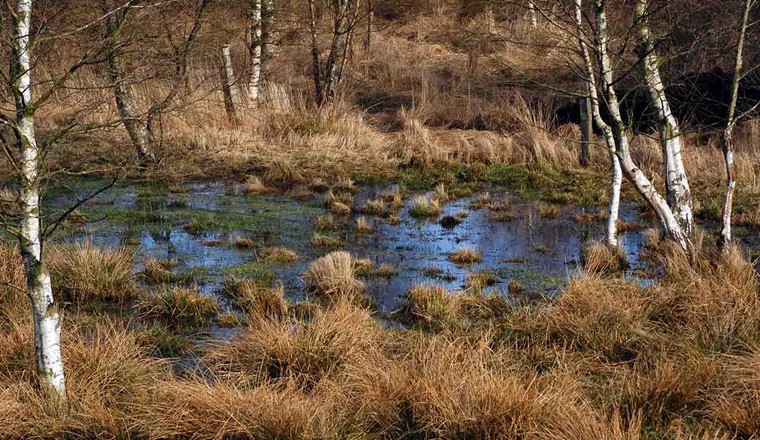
(606, 359)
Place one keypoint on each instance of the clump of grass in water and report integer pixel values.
(374, 207)
(423, 207)
(327, 223)
(465, 255)
(340, 204)
(600, 259)
(279, 255)
(163, 341)
(157, 271)
(179, 307)
(84, 272)
(256, 298)
(326, 241)
(243, 243)
(480, 279)
(430, 307)
(253, 185)
(549, 211)
(481, 201)
(334, 276)
(363, 226)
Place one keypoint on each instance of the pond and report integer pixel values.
(540, 252)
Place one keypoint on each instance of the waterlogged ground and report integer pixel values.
(536, 251)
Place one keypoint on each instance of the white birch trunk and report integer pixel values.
(727, 137)
(228, 84)
(532, 14)
(338, 51)
(45, 313)
(593, 102)
(255, 49)
(643, 185)
(676, 181)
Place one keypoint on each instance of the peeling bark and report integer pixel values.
(46, 317)
(338, 51)
(670, 224)
(676, 181)
(255, 53)
(727, 136)
(228, 84)
(591, 105)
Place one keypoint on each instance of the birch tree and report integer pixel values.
(676, 182)
(327, 78)
(609, 138)
(27, 162)
(668, 220)
(45, 311)
(141, 126)
(255, 50)
(727, 135)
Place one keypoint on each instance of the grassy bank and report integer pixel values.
(608, 359)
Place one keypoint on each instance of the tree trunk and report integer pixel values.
(643, 185)
(676, 181)
(727, 136)
(255, 53)
(228, 84)
(45, 313)
(268, 40)
(336, 59)
(137, 129)
(590, 108)
(316, 69)
(587, 131)
(370, 21)
(532, 14)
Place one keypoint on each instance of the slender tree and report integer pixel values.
(727, 135)
(255, 50)
(593, 105)
(668, 220)
(140, 126)
(676, 182)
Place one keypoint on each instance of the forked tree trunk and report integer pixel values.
(228, 84)
(676, 181)
(668, 221)
(255, 53)
(591, 105)
(727, 136)
(45, 312)
(338, 51)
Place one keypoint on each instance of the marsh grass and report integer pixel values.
(179, 307)
(465, 255)
(334, 276)
(84, 272)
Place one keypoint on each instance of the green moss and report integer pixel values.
(259, 270)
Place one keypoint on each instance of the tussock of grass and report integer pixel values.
(480, 279)
(340, 203)
(549, 211)
(326, 241)
(180, 307)
(303, 352)
(157, 271)
(243, 243)
(465, 255)
(279, 255)
(327, 223)
(599, 258)
(84, 272)
(256, 298)
(363, 226)
(431, 307)
(334, 276)
(374, 207)
(253, 186)
(423, 207)
(481, 201)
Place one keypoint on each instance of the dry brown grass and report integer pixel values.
(256, 298)
(363, 226)
(279, 255)
(334, 276)
(466, 255)
(84, 272)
